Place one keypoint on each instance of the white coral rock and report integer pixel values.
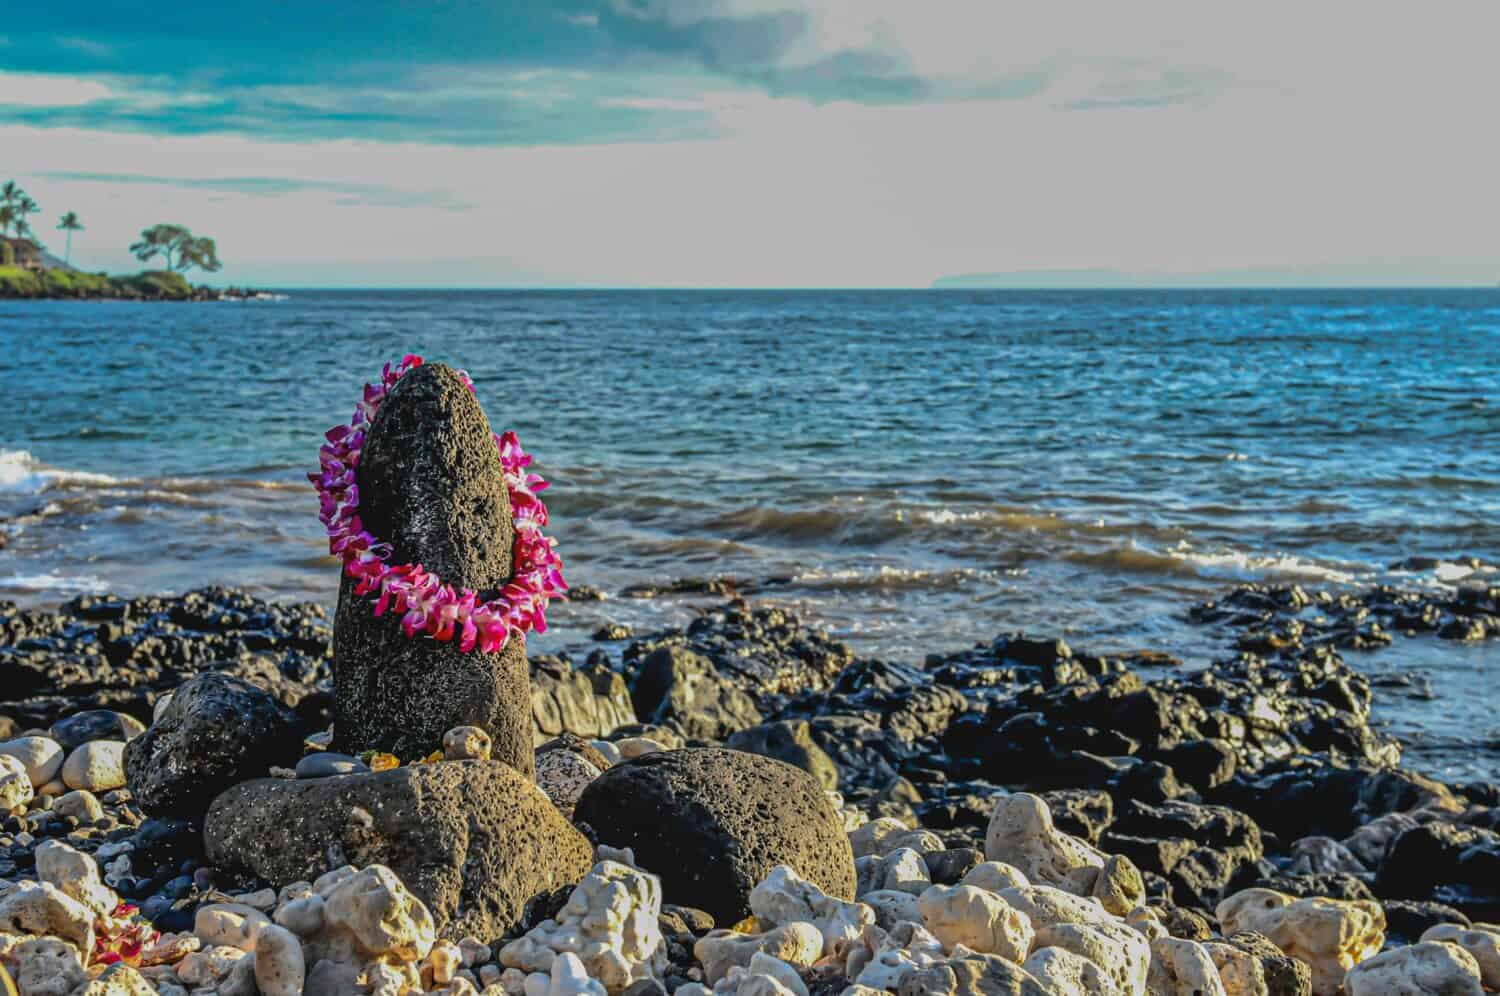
(1181, 967)
(783, 896)
(43, 908)
(1331, 935)
(1425, 969)
(46, 966)
(870, 838)
(567, 977)
(1062, 971)
(977, 919)
(799, 944)
(76, 874)
(610, 921)
(1482, 940)
(1045, 905)
(371, 914)
(1021, 833)
(1122, 954)
(15, 788)
(994, 876)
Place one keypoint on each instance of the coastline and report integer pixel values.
(1265, 777)
(18, 284)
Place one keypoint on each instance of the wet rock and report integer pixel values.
(790, 741)
(713, 823)
(325, 764)
(93, 724)
(588, 701)
(1452, 864)
(215, 732)
(677, 687)
(431, 485)
(450, 830)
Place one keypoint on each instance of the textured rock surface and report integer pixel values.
(216, 731)
(679, 688)
(450, 830)
(431, 485)
(714, 822)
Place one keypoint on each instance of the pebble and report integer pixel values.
(41, 757)
(324, 764)
(97, 766)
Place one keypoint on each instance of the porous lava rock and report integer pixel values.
(475, 840)
(216, 731)
(430, 485)
(713, 823)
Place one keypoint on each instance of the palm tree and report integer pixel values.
(7, 217)
(70, 224)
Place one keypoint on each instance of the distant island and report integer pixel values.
(29, 271)
(1101, 278)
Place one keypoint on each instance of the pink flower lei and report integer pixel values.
(426, 604)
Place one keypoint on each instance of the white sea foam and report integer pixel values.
(53, 582)
(1237, 565)
(22, 473)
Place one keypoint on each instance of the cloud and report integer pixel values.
(346, 194)
(435, 104)
(524, 72)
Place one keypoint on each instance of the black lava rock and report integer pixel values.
(712, 823)
(680, 688)
(790, 741)
(430, 485)
(215, 732)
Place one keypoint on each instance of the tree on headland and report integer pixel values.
(15, 205)
(70, 224)
(178, 247)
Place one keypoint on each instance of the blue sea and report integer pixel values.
(915, 471)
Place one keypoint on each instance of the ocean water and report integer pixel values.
(914, 470)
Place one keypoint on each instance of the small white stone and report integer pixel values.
(229, 925)
(76, 874)
(15, 788)
(40, 757)
(98, 766)
(82, 805)
(279, 966)
(633, 747)
(464, 743)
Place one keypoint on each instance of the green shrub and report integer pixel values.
(160, 284)
(16, 282)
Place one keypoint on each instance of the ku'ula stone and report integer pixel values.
(431, 485)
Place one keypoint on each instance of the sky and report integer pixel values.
(767, 143)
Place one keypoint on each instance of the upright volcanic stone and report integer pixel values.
(430, 485)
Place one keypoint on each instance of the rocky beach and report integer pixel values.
(220, 794)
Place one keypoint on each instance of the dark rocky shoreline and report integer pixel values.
(1262, 771)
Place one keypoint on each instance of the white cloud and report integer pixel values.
(1346, 134)
(37, 90)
